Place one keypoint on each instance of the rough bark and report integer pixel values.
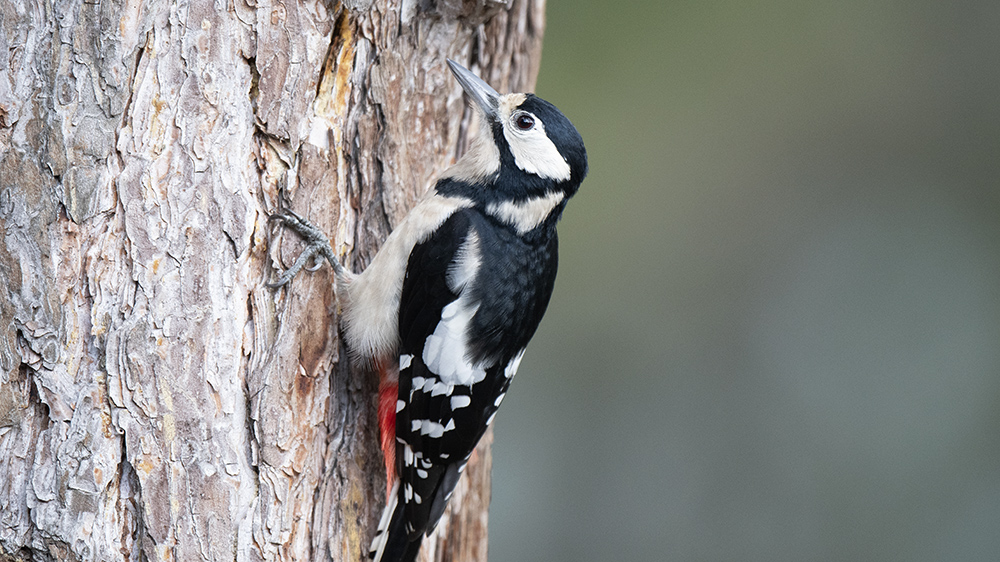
(157, 401)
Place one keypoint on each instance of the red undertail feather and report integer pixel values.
(388, 394)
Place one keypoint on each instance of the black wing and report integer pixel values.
(439, 419)
(472, 297)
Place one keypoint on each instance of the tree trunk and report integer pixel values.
(157, 401)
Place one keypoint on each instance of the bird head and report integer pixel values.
(525, 146)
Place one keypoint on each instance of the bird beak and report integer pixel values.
(481, 93)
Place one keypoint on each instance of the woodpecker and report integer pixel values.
(447, 306)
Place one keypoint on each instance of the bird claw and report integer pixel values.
(315, 241)
(318, 263)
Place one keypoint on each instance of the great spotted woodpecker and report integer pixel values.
(450, 301)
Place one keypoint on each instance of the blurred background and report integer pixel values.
(776, 330)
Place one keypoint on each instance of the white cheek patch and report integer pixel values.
(528, 214)
(534, 152)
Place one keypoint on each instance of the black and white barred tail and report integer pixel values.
(391, 542)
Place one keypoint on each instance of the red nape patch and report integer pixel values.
(388, 393)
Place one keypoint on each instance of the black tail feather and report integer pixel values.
(399, 547)
(392, 542)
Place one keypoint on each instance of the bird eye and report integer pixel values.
(524, 121)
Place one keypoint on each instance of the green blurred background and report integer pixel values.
(776, 330)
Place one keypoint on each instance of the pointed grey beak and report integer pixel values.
(481, 93)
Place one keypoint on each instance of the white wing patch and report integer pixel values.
(416, 383)
(445, 350)
(431, 428)
(440, 388)
(511, 369)
(528, 214)
(429, 384)
(468, 259)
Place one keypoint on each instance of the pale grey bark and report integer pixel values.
(157, 401)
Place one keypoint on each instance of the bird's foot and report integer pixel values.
(317, 247)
